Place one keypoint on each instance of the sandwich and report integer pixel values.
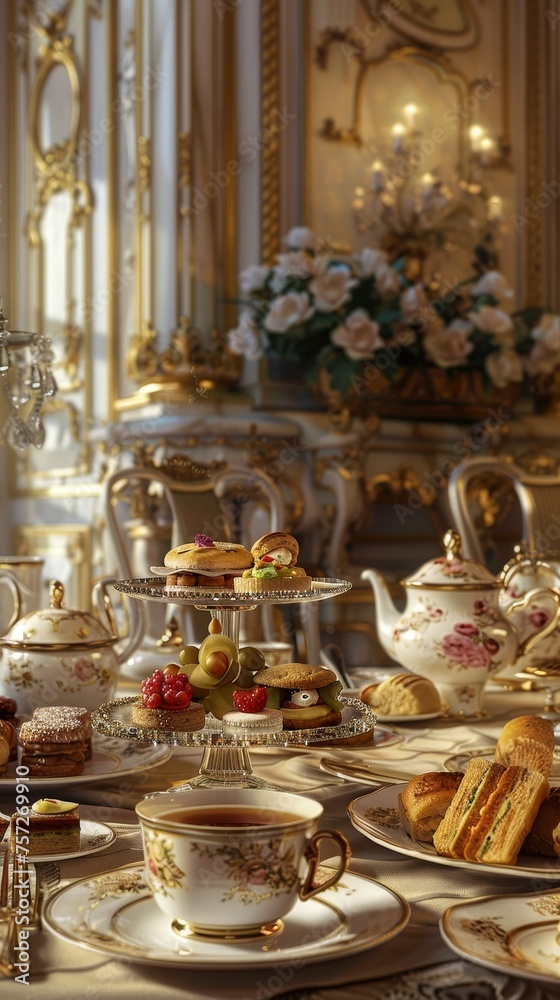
(453, 833)
(206, 563)
(307, 696)
(275, 556)
(507, 817)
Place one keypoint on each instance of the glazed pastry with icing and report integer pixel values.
(52, 825)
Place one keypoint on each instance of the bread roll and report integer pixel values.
(402, 694)
(527, 741)
(425, 800)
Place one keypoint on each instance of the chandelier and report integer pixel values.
(27, 380)
(417, 213)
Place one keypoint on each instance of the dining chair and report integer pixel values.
(490, 479)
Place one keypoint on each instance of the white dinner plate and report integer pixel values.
(114, 913)
(94, 837)
(459, 761)
(515, 934)
(376, 815)
(111, 758)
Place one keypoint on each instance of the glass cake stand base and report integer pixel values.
(226, 767)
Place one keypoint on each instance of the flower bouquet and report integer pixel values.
(366, 336)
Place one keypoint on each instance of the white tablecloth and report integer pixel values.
(415, 964)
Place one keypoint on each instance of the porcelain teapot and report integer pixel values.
(529, 571)
(60, 656)
(453, 630)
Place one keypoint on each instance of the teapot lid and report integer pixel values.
(452, 571)
(57, 627)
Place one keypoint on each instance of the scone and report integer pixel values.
(402, 694)
(275, 556)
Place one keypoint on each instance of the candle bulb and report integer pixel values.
(410, 112)
(495, 206)
(377, 176)
(427, 182)
(397, 133)
(476, 133)
(487, 148)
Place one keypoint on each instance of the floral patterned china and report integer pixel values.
(453, 630)
(114, 913)
(61, 656)
(376, 815)
(516, 935)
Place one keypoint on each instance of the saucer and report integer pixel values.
(514, 934)
(114, 913)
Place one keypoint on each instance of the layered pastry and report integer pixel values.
(52, 825)
(425, 800)
(52, 747)
(307, 696)
(491, 813)
(67, 715)
(166, 703)
(206, 563)
(402, 694)
(275, 556)
(9, 733)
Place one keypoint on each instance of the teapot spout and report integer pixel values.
(386, 614)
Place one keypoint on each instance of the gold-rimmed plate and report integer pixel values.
(114, 913)
(514, 934)
(376, 815)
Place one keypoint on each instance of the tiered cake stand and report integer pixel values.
(226, 762)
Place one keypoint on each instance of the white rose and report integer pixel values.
(296, 263)
(494, 321)
(252, 279)
(541, 361)
(504, 367)
(414, 302)
(301, 238)
(547, 332)
(387, 279)
(368, 260)
(278, 281)
(359, 335)
(492, 283)
(448, 346)
(288, 310)
(245, 339)
(331, 289)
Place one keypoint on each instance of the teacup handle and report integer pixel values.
(307, 890)
(540, 633)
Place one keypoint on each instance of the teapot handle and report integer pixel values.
(17, 589)
(137, 618)
(543, 630)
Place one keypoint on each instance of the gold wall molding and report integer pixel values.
(270, 104)
(534, 140)
(67, 551)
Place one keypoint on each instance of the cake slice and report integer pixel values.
(480, 779)
(507, 817)
(52, 825)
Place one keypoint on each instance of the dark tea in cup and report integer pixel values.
(229, 816)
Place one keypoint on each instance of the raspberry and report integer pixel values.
(250, 699)
(169, 691)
